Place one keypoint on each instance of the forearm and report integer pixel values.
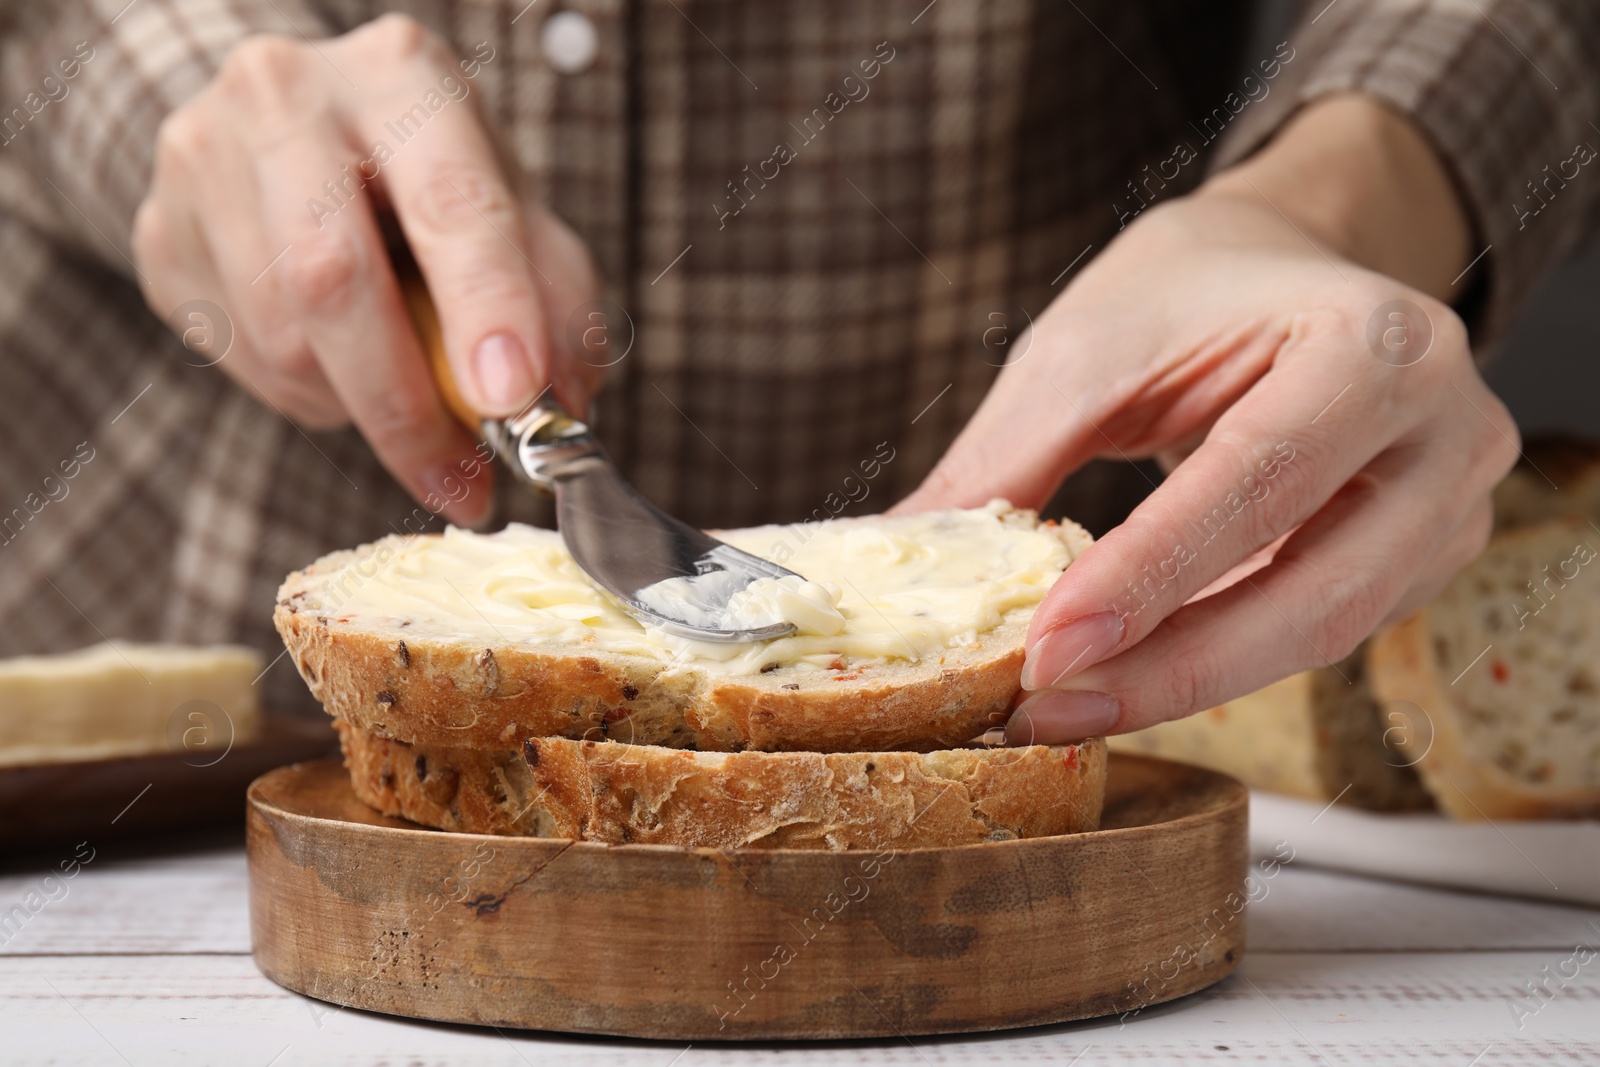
(1363, 182)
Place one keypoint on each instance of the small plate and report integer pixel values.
(1550, 859)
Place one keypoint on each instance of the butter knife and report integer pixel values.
(661, 571)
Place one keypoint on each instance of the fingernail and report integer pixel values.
(1070, 648)
(502, 375)
(1058, 718)
(449, 493)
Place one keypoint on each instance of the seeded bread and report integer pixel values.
(1312, 735)
(1556, 477)
(400, 684)
(639, 794)
(1503, 673)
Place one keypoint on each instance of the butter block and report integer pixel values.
(123, 699)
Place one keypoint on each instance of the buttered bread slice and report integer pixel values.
(483, 640)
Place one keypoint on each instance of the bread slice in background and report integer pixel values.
(1319, 734)
(426, 685)
(1504, 671)
(124, 699)
(1557, 476)
(642, 794)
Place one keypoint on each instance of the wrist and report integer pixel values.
(1363, 182)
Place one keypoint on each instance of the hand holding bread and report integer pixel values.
(1331, 483)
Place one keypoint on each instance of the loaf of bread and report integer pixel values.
(643, 794)
(1501, 676)
(124, 699)
(481, 641)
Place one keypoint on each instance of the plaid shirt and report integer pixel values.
(792, 329)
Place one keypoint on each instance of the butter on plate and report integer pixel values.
(120, 699)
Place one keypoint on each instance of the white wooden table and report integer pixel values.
(146, 960)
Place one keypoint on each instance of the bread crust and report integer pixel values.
(431, 691)
(634, 794)
(1402, 665)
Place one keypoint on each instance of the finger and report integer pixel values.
(1247, 566)
(1023, 440)
(466, 230)
(1269, 463)
(282, 368)
(337, 281)
(578, 355)
(201, 170)
(1057, 406)
(1464, 545)
(1329, 586)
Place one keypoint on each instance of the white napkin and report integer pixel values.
(1548, 859)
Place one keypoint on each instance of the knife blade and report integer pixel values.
(662, 571)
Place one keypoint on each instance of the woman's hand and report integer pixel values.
(265, 201)
(1342, 439)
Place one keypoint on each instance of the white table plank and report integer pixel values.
(173, 903)
(1358, 997)
(1390, 1008)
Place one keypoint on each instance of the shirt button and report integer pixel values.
(569, 41)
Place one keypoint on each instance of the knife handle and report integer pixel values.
(425, 318)
(539, 442)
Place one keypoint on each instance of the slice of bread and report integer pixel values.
(640, 794)
(424, 681)
(1503, 673)
(1556, 477)
(1319, 734)
(1313, 735)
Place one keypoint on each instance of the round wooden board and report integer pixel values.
(351, 906)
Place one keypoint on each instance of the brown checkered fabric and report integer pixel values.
(789, 327)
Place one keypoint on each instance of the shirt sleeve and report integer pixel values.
(1506, 90)
(86, 85)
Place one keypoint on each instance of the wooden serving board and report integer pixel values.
(354, 907)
